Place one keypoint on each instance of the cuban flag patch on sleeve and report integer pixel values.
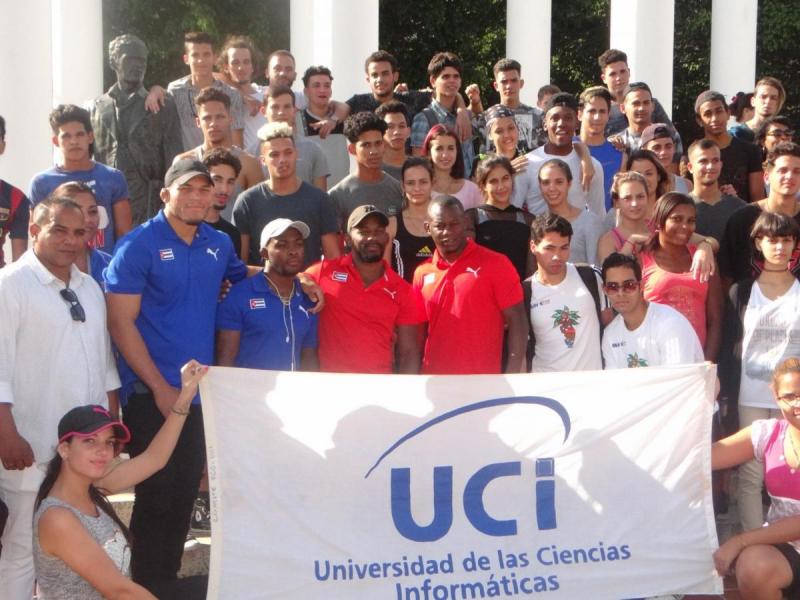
(256, 303)
(166, 254)
(339, 276)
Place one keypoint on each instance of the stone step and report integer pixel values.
(123, 505)
(196, 551)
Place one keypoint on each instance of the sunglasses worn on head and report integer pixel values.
(75, 309)
(629, 285)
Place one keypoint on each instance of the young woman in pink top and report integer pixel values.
(646, 164)
(444, 149)
(766, 560)
(666, 271)
(629, 192)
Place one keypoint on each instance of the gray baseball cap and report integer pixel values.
(185, 169)
(277, 227)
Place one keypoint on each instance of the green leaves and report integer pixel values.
(162, 24)
(414, 30)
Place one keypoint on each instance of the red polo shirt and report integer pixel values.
(357, 325)
(464, 303)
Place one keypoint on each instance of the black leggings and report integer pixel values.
(793, 591)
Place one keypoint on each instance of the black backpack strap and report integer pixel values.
(588, 275)
(430, 116)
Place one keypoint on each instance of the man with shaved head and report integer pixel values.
(483, 296)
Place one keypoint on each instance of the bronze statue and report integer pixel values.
(139, 143)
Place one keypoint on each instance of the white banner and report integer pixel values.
(564, 485)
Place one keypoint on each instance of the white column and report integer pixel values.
(644, 30)
(78, 51)
(338, 35)
(733, 45)
(301, 35)
(528, 33)
(45, 62)
(27, 92)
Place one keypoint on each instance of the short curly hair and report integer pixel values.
(360, 123)
(116, 45)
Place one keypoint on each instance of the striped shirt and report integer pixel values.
(185, 93)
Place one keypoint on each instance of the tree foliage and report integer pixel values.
(414, 30)
(778, 32)
(162, 24)
(579, 35)
(691, 68)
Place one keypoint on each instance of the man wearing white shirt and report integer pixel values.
(643, 334)
(237, 63)
(560, 123)
(55, 354)
(565, 306)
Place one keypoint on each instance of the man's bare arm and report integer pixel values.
(330, 245)
(123, 309)
(407, 349)
(516, 338)
(123, 220)
(227, 346)
(15, 451)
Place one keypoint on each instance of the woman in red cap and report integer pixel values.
(80, 546)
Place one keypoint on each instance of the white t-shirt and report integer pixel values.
(586, 231)
(469, 195)
(771, 333)
(564, 319)
(522, 189)
(665, 337)
(252, 144)
(252, 123)
(594, 200)
(50, 363)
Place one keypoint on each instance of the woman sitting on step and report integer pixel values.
(80, 546)
(766, 560)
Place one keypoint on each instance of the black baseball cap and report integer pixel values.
(83, 421)
(654, 132)
(362, 212)
(708, 96)
(185, 169)
(637, 86)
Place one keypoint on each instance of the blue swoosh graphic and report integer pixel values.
(553, 405)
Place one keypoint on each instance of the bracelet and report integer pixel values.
(182, 413)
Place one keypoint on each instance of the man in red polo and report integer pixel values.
(470, 294)
(371, 319)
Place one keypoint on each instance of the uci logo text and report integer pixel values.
(473, 493)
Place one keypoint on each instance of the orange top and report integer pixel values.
(681, 291)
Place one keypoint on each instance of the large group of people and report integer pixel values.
(214, 221)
